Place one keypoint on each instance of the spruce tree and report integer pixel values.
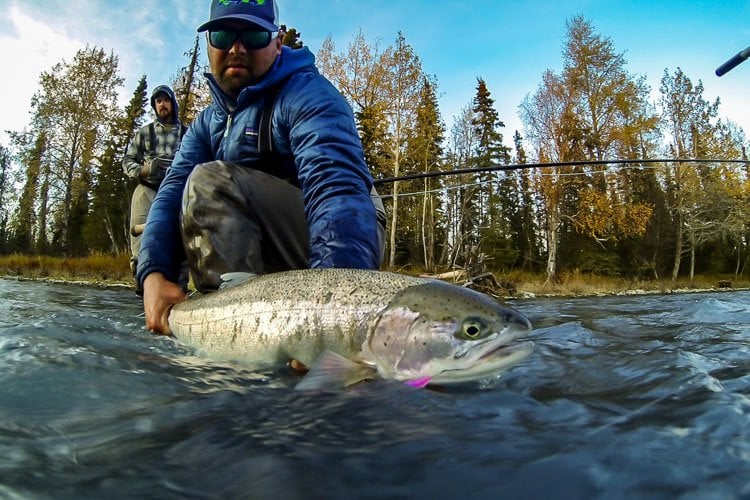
(496, 188)
(107, 229)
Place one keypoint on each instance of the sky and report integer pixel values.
(509, 44)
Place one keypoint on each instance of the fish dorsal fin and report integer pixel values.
(228, 280)
(333, 371)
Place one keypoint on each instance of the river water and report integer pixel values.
(623, 397)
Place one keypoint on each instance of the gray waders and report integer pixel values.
(237, 219)
(140, 204)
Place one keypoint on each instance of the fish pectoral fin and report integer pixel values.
(333, 371)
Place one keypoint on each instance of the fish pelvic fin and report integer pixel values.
(332, 371)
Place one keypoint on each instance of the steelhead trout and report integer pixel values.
(349, 325)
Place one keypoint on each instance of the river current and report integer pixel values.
(623, 397)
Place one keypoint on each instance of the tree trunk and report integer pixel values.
(692, 256)
(553, 235)
(677, 248)
(394, 224)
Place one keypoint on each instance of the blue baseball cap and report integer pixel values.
(261, 13)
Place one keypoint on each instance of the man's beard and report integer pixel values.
(165, 114)
(232, 85)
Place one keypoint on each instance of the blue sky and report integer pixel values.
(507, 43)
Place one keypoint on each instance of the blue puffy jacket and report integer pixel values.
(315, 135)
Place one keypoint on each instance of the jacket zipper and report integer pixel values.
(229, 125)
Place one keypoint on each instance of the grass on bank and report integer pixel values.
(108, 269)
(97, 268)
(577, 283)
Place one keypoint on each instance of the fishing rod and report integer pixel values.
(521, 166)
(738, 58)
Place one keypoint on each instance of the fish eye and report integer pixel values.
(472, 329)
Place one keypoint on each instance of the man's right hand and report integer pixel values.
(159, 295)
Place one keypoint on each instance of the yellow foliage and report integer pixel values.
(599, 218)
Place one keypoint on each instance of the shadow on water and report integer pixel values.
(623, 397)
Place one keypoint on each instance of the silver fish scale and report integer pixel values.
(295, 314)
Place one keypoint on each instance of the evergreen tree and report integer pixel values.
(80, 196)
(425, 155)
(373, 132)
(33, 157)
(523, 223)
(107, 229)
(496, 188)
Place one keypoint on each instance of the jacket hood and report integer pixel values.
(287, 63)
(166, 90)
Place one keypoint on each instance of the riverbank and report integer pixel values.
(114, 272)
(98, 270)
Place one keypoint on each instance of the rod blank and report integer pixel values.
(734, 61)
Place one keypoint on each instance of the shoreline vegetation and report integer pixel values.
(109, 271)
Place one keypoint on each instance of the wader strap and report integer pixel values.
(152, 138)
(270, 162)
(265, 133)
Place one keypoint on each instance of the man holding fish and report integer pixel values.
(305, 203)
(270, 180)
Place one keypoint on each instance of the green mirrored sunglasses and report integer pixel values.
(251, 39)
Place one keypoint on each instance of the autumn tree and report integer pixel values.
(687, 118)
(359, 74)
(402, 86)
(587, 113)
(716, 216)
(550, 125)
(462, 236)
(72, 107)
(383, 89)
(290, 37)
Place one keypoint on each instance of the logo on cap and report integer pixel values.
(237, 2)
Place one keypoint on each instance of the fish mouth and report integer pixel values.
(489, 364)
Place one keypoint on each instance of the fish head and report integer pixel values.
(446, 334)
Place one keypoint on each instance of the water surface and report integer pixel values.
(623, 397)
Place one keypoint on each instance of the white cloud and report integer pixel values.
(27, 50)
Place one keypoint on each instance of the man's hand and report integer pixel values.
(146, 168)
(159, 295)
